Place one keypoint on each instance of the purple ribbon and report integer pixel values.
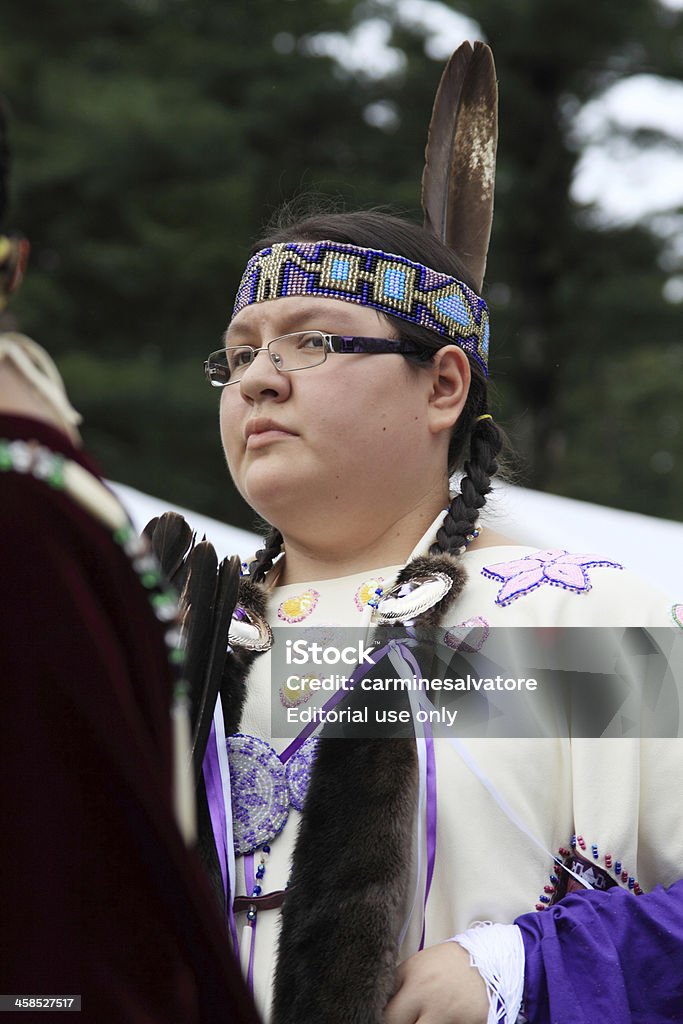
(359, 672)
(431, 823)
(217, 805)
(431, 794)
(249, 884)
(219, 827)
(336, 697)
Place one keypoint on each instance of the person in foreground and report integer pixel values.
(102, 895)
(354, 385)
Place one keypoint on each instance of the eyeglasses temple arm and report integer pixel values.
(353, 344)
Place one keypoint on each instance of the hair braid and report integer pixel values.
(485, 444)
(263, 560)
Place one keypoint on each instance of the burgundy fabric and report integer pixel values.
(608, 957)
(98, 894)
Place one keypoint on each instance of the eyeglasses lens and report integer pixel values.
(289, 352)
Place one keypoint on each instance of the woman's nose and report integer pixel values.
(261, 378)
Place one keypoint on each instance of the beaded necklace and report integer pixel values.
(63, 474)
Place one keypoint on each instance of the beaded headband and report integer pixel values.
(370, 277)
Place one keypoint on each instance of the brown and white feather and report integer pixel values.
(460, 157)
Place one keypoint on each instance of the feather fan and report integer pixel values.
(214, 647)
(460, 157)
(208, 594)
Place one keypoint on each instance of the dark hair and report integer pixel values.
(375, 229)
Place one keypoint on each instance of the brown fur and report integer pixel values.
(348, 890)
(344, 906)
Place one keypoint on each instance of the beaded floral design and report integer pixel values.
(263, 788)
(556, 567)
(677, 614)
(469, 635)
(296, 609)
(296, 690)
(367, 591)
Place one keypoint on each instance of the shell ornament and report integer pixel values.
(405, 601)
(249, 631)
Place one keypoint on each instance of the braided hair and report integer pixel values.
(474, 447)
(476, 441)
(263, 559)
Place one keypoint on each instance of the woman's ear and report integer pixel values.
(451, 376)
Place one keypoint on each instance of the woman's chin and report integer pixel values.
(275, 494)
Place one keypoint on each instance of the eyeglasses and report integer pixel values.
(300, 351)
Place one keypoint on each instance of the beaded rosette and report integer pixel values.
(263, 788)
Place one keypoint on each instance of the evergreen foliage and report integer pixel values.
(153, 138)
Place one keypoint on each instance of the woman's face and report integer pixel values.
(348, 437)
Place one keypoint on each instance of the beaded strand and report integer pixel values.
(69, 477)
(613, 867)
(263, 856)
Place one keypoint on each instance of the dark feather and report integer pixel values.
(149, 529)
(172, 539)
(197, 603)
(208, 594)
(215, 654)
(459, 173)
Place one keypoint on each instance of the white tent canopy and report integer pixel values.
(652, 548)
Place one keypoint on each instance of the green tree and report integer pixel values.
(579, 303)
(152, 139)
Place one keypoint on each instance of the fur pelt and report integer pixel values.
(343, 910)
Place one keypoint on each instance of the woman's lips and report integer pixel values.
(266, 437)
(260, 432)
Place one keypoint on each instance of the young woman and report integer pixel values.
(353, 387)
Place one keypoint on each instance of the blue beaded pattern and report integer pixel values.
(263, 788)
(369, 277)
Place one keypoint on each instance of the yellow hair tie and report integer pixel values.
(484, 416)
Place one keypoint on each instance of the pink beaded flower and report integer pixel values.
(555, 567)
